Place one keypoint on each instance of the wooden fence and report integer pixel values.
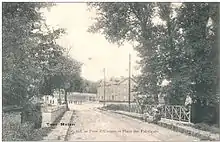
(173, 112)
(135, 108)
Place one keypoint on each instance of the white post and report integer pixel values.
(189, 114)
(104, 86)
(165, 111)
(172, 112)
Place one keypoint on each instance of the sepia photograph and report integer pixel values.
(110, 71)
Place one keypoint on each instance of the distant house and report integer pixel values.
(116, 90)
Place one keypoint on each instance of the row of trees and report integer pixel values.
(89, 86)
(182, 47)
(33, 63)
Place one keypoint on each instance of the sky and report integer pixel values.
(93, 50)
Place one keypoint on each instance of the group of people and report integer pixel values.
(77, 102)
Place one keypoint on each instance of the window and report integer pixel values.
(42, 99)
(112, 97)
(124, 98)
(47, 98)
(125, 88)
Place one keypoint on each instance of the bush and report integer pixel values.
(202, 126)
(26, 130)
(17, 131)
(32, 113)
(39, 134)
(50, 105)
(116, 107)
(111, 107)
(122, 107)
(206, 127)
(10, 125)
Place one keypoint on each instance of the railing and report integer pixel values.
(149, 109)
(135, 108)
(173, 112)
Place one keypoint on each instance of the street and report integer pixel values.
(92, 124)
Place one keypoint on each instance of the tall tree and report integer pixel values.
(199, 23)
(181, 50)
(18, 23)
(25, 50)
(200, 49)
(121, 22)
(68, 71)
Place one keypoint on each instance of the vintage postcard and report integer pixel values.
(110, 71)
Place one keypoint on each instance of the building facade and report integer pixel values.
(116, 90)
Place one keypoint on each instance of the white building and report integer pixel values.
(116, 90)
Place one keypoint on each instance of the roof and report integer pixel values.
(117, 83)
(89, 94)
(127, 79)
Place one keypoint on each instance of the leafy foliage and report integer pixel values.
(19, 70)
(89, 86)
(182, 48)
(33, 64)
(122, 22)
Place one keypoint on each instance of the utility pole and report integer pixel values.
(104, 86)
(129, 83)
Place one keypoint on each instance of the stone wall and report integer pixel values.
(49, 115)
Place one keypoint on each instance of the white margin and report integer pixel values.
(83, 1)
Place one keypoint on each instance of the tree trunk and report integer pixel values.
(66, 101)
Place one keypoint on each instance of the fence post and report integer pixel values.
(180, 114)
(189, 114)
(165, 111)
(171, 112)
